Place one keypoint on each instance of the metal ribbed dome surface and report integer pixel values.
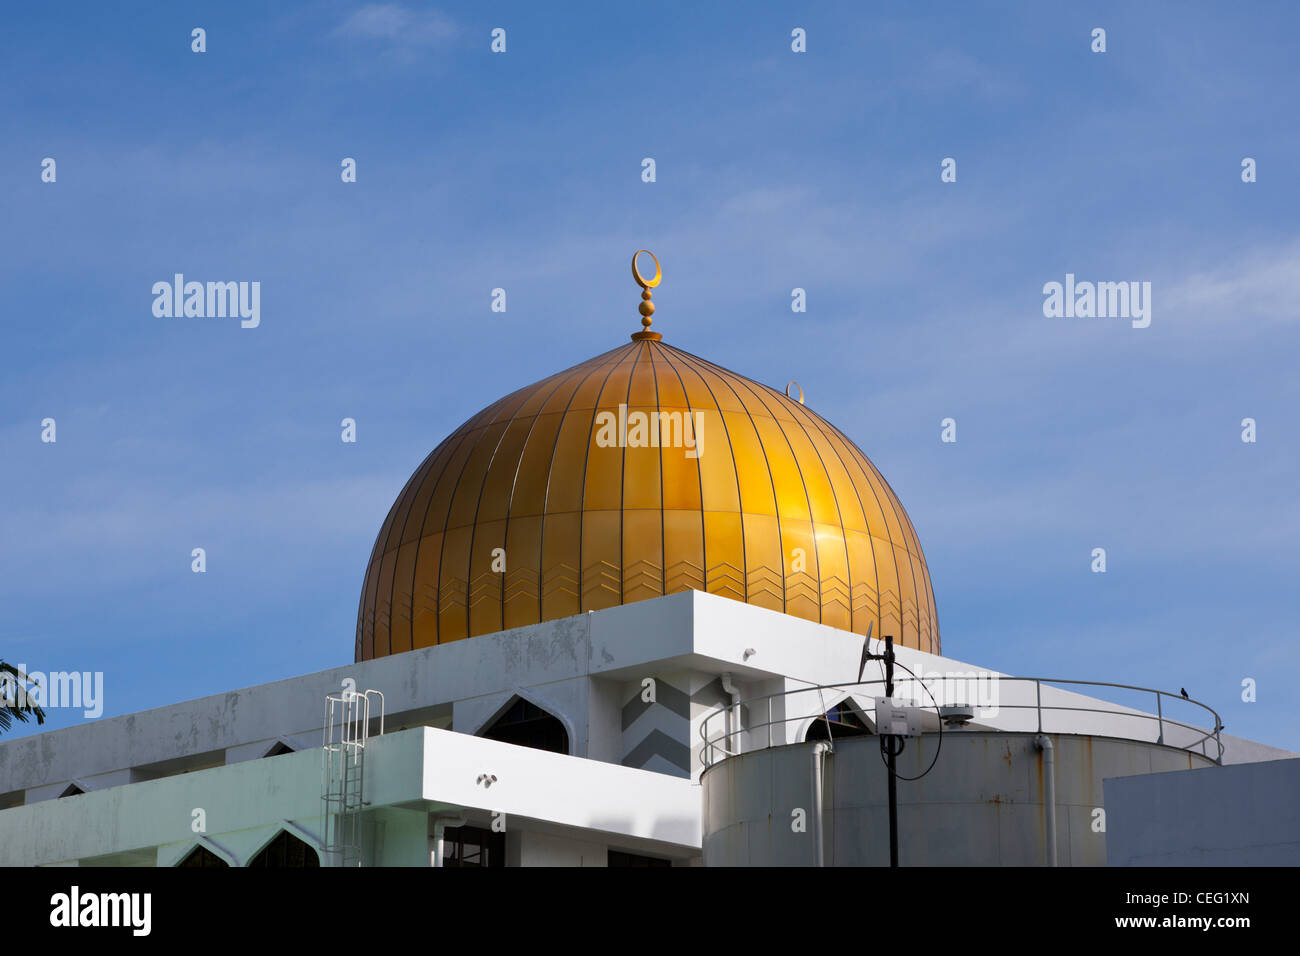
(779, 509)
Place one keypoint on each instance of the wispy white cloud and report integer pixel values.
(1262, 284)
(398, 25)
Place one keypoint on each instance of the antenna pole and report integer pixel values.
(890, 756)
(888, 741)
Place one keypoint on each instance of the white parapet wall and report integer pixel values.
(409, 775)
(1245, 815)
(632, 685)
(983, 801)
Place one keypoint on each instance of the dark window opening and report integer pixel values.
(201, 856)
(72, 791)
(473, 846)
(279, 748)
(286, 851)
(527, 725)
(842, 720)
(620, 858)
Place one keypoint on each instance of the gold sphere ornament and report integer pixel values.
(643, 471)
(646, 308)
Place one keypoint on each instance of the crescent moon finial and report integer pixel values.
(646, 308)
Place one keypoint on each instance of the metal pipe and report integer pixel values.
(820, 750)
(733, 713)
(1044, 743)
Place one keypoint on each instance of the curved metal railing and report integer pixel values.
(728, 741)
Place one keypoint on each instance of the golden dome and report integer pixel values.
(641, 472)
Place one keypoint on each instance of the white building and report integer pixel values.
(612, 620)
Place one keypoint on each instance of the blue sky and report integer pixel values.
(775, 170)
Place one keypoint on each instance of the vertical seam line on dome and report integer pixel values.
(801, 413)
(551, 469)
(925, 570)
(725, 375)
(665, 353)
(365, 588)
(586, 458)
(663, 544)
(372, 568)
(839, 514)
(643, 349)
(442, 545)
(473, 533)
(904, 524)
(419, 541)
(736, 468)
(560, 379)
(550, 465)
(411, 487)
(596, 364)
(919, 558)
(871, 543)
(408, 488)
(803, 484)
(875, 561)
(421, 474)
(735, 471)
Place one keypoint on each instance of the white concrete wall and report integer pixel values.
(244, 805)
(604, 720)
(554, 657)
(1245, 815)
(407, 775)
(567, 791)
(585, 669)
(983, 804)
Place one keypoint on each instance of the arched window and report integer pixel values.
(527, 725)
(286, 851)
(842, 720)
(201, 856)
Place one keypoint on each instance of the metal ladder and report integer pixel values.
(346, 730)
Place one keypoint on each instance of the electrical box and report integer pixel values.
(897, 719)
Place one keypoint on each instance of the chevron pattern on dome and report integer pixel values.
(641, 472)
